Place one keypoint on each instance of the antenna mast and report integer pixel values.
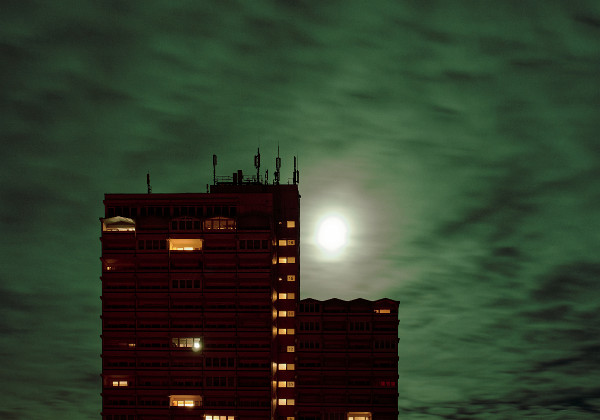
(296, 173)
(148, 182)
(257, 165)
(277, 167)
(214, 169)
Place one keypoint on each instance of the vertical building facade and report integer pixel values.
(202, 318)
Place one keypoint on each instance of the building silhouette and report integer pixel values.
(202, 317)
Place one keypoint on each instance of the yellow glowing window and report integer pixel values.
(120, 383)
(382, 311)
(285, 314)
(291, 223)
(290, 418)
(359, 416)
(286, 401)
(218, 417)
(282, 242)
(291, 349)
(287, 295)
(286, 384)
(291, 277)
(291, 242)
(185, 400)
(288, 331)
(286, 366)
(185, 244)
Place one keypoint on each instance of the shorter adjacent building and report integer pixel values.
(347, 358)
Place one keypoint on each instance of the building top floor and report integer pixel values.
(336, 306)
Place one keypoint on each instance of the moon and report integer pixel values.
(332, 234)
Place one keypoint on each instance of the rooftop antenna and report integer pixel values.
(277, 167)
(214, 169)
(296, 173)
(257, 165)
(148, 182)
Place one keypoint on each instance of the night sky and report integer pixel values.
(458, 139)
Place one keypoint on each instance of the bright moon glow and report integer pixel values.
(332, 234)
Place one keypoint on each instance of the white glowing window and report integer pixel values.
(382, 311)
(120, 383)
(118, 224)
(189, 342)
(185, 244)
(286, 366)
(291, 349)
(291, 223)
(291, 277)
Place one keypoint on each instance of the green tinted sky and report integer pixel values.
(460, 139)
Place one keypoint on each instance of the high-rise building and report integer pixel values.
(201, 316)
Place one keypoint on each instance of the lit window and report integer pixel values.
(286, 384)
(359, 416)
(287, 295)
(189, 342)
(283, 313)
(185, 401)
(218, 417)
(118, 224)
(291, 242)
(291, 349)
(291, 277)
(382, 311)
(219, 223)
(291, 223)
(185, 244)
(288, 331)
(120, 383)
(286, 401)
(282, 242)
(290, 418)
(286, 366)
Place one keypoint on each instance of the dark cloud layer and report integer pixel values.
(459, 140)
